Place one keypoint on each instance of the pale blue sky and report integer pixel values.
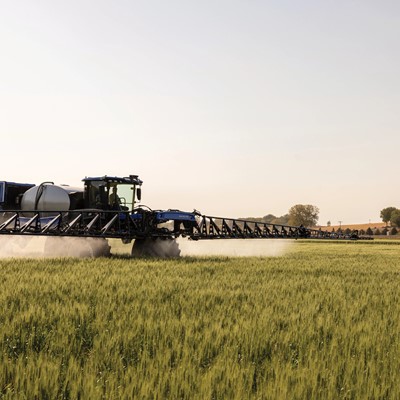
(235, 108)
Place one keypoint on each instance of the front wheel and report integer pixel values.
(158, 247)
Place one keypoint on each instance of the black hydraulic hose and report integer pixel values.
(141, 206)
(39, 193)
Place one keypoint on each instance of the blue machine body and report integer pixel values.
(175, 215)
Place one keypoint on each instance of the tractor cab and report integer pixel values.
(112, 193)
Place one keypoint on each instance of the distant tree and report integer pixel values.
(268, 218)
(328, 223)
(386, 213)
(393, 231)
(255, 219)
(347, 231)
(377, 232)
(395, 218)
(283, 220)
(361, 232)
(384, 231)
(369, 231)
(303, 214)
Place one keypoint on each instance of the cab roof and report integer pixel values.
(131, 179)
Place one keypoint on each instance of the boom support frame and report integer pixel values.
(142, 224)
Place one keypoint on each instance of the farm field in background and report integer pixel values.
(323, 321)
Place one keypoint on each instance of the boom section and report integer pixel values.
(79, 223)
(230, 228)
(143, 223)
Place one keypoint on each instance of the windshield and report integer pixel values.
(121, 196)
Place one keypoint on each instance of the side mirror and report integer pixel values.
(139, 193)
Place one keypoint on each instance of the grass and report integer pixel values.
(321, 322)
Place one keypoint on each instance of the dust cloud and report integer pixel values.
(236, 247)
(219, 247)
(19, 246)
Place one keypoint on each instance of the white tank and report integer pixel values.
(45, 197)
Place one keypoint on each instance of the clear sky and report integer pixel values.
(235, 108)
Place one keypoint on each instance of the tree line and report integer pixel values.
(299, 214)
(376, 231)
(307, 215)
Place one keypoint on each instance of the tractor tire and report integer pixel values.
(100, 247)
(14, 246)
(76, 247)
(56, 247)
(159, 247)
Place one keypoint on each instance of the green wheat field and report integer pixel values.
(321, 322)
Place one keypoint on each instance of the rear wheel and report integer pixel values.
(159, 247)
(76, 247)
(14, 245)
(56, 247)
